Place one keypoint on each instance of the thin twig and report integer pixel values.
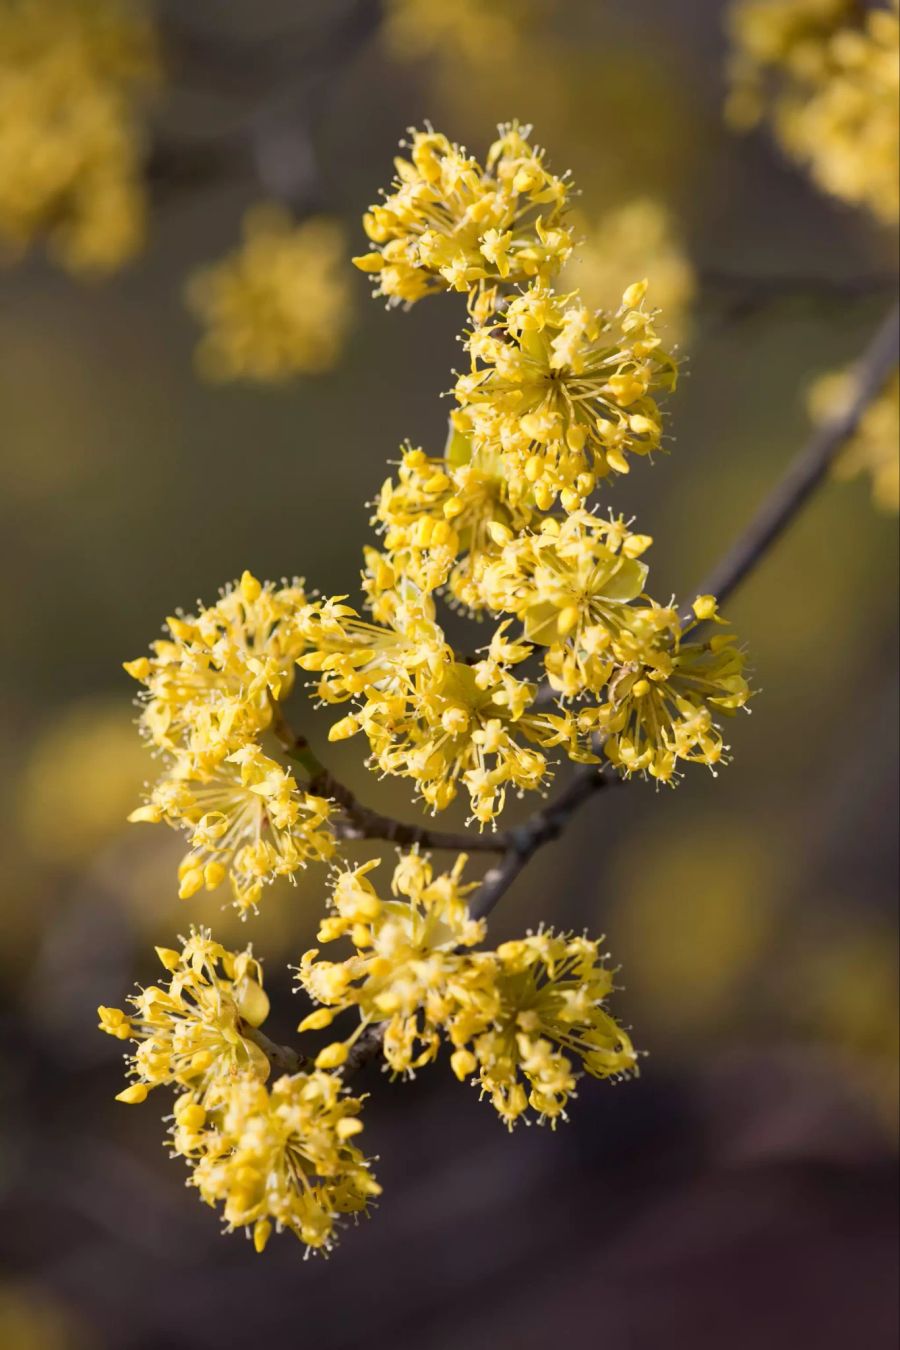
(541, 828)
(281, 1057)
(808, 469)
(743, 295)
(361, 822)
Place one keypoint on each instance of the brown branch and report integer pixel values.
(808, 469)
(281, 1057)
(361, 822)
(541, 828)
(742, 296)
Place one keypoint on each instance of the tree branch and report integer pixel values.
(361, 822)
(810, 466)
(281, 1057)
(742, 295)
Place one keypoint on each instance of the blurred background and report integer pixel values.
(743, 1190)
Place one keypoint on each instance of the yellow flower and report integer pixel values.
(826, 73)
(407, 970)
(71, 75)
(282, 1157)
(569, 585)
(277, 1156)
(874, 447)
(664, 694)
(209, 685)
(189, 1029)
(451, 223)
(565, 394)
(430, 717)
(548, 1016)
(513, 1016)
(277, 307)
(442, 519)
(247, 819)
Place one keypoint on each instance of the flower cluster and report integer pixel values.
(429, 716)
(211, 686)
(515, 1018)
(873, 448)
(562, 392)
(282, 1156)
(441, 518)
(190, 1032)
(71, 75)
(826, 73)
(279, 305)
(271, 1155)
(576, 661)
(451, 223)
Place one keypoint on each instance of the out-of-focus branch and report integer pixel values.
(283, 80)
(742, 295)
(809, 467)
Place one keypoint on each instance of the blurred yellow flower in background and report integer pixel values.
(826, 73)
(72, 74)
(691, 924)
(84, 771)
(467, 30)
(875, 448)
(638, 238)
(846, 997)
(279, 305)
(32, 1318)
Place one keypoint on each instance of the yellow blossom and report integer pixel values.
(826, 73)
(247, 819)
(569, 584)
(281, 1157)
(547, 1020)
(430, 717)
(72, 73)
(441, 519)
(664, 694)
(451, 223)
(564, 393)
(513, 1016)
(190, 1029)
(407, 970)
(271, 1156)
(210, 682)
(277, 307)
(873, 449)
